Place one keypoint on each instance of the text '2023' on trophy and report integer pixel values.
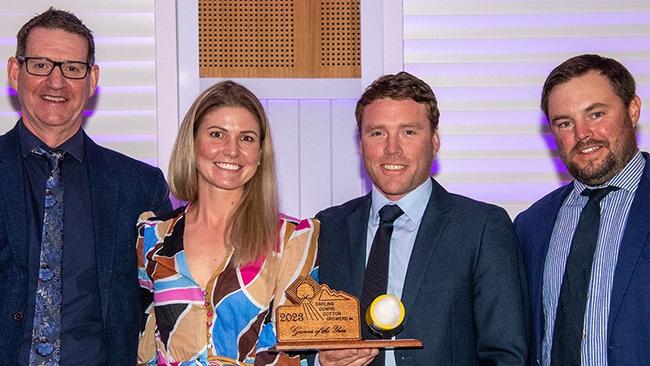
(323, 318)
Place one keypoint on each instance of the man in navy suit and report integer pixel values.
(592, 109)
(54, 75)
(453, 261)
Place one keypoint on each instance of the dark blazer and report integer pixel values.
(464, 292)
(628, 330)
(121, 188)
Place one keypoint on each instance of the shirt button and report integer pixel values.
(206, 304)
(209, 313)
(18, 316)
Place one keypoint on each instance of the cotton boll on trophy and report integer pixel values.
(321, 318)
(385, 315)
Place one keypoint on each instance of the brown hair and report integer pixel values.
(400, 86)
(619, 77)
(252, 228)
(56, 19)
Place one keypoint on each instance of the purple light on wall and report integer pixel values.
(418, 24)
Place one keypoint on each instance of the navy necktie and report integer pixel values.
(375, 279)
(46, 332)
(569, 319)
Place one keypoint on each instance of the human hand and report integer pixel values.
(347, 357)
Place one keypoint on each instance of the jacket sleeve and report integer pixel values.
(160, 202)
(499, 293)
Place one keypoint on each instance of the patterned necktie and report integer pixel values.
(569, 320)
(46, 333)
(375, 279)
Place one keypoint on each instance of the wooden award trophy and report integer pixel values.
(321, 318)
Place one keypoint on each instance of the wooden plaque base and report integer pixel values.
(321, 318)
(374, 343)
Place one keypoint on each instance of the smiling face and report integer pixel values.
(52, 105)
(227, 149)
(593, 129)
(398, 145)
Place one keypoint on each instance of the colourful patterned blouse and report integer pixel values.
(231, 320)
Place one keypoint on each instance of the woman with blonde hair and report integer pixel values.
(213, 271)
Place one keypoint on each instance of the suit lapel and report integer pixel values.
(357, 228)
(12, 198)
(634, 239)
(427, 239)
(104, 195)
(538, 248)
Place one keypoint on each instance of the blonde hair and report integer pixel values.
(252, 228)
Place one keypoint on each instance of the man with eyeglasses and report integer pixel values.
(68, 208)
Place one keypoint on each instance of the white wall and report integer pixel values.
(312, 120)
(486, 61)
(123, 115)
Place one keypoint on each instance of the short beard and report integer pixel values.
(594, 175)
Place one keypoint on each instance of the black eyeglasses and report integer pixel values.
(43, 66)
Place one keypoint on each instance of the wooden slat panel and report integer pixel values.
(429, 7)
(32, 8)
(487, 63)
(279, 38)
(116, 49)
(127, 73)
(122, 115)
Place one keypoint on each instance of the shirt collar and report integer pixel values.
(413, 203)
(627, 179)
(73, 146)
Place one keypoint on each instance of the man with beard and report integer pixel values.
(587, 245)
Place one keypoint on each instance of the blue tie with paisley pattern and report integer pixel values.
(46, 333)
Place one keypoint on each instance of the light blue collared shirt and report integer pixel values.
(615, 208)
(405, 230)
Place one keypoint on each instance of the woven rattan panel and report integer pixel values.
(279, 38)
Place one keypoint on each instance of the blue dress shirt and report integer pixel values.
(405, 230)
(614, 211)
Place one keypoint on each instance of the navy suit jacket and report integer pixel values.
(464, 291)
(121, 188)
(628, 329)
